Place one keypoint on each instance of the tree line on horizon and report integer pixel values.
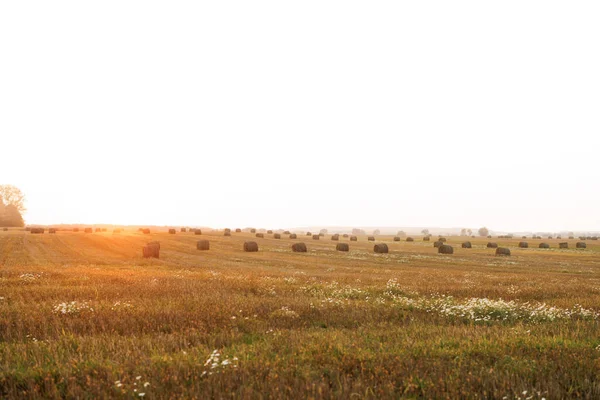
(12, 205)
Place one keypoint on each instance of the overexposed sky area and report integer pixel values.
(280, 114)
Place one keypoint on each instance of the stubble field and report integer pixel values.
(85, 316)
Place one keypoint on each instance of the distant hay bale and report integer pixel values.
(335, 237)
(549, 237)
(544, 246)
(116, 230)
(75, 229)
(437, 243)
(580, 245)
(286, 232)
(277, 236)
(563, 245)
(28, 229)
(260, 235)
(559, 237)
(270, 232)
(345, 235)
(293, 236)
(371, 238)
(445, 249)
(250, 246)
(227, 233)
(197, 231)
(321, 233)
(410, 239)
(492, 245)
(308, 234)
(51, 230)
(88, 230)
(594, 237)
(252, 230)
(381, 248)
(5, 229)
(502, 251)
(353, 239)
(238, 230)
(467, 245)
(342, 247)
(151, 250)
(523, 237)
(523, 245)
(396, 238)
(172, 231)
(146, 231)
(316, 237)
(299, 248)
(442, 239)
(227, 230)
(426, 238)
(183, 230)
(37, 231)
(489, 236)
(203, 245)
(571, 237)
(100, 230)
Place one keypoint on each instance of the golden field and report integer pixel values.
(85, 316)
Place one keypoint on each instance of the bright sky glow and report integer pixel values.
(281, 114)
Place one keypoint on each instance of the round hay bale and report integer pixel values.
(172, 231)
(544, 246)
(5, 229)
(580, 245)
(238, 230)
(37, 231)
(353, 239)
(342, 247)
(371, 238)
(308, 234)
(260, 235)
(523, 245)
(100, 230)
(381, 248)
(445, 249)
(293, 236)
(489, 236)
(154, 243)
(270, 232)
(426, 238)
(88, 230)
(146, 231)
(321, 233)
(492, 245)
(571, 237)
(197, 231)
(335, 237)
(286, 232)
(299, 248)
(502, 251)
(277, 236)
(345, 235)
(226, 233)
(396, 238)
(410, 239)
(151, 250)
(183, 230)
(28, 229)
(563, 245)
(437, 243)
(559, 237)
(442, 239)
(252, 230)
(549, 237)
(523, 237)
(250, 246)
(227, 230)
(203, 245)
(467, 245)
(316, 237)
(51, 230)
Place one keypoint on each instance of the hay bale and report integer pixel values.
(75, 229)
(571, 237)
(353, 239)
(381, 248)
(492, 245)
(226, 233)
(523, 237)
(321, 233)
(549, 237)
(100, 230)
(559, 237)
(37, 231)
(293, 236)
(172, 231)
(299, 248)
(437, 243)
(151, 250)
(426, 238)
(502, 251)
(544, 246)
(146, 231)
(117, 230)
(580, 245)
(335, 237)
(563, 245)
(523, 245)
(371, 238)
(467, 245)
(489, 236)
(88, 230)
(270, 232)
(252, 230)
(197, 231)
(250, 246)
(396, 238)
(308, 234)
(52, 230)
(227, 230)
(238, 230)
(342, 247)
(286, 232)
(442, 239)
(277, 236)
(183, 230)
(5, 229)
(445, 249)
(594, 237)
(345, 235)
(260, 235)
(409, 239)
(203, 245)
(316, 237)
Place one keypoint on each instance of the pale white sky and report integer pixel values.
(281, 114)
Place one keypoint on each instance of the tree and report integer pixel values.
(463, 232)
(484, 231)
(12, 217)
(323, 231)
(401, 234)
(425, 232)
(376, 232)
(13, 195)
(470, 232)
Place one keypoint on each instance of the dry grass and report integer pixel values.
(319, 324)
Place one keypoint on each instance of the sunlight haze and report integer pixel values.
(316, 113)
